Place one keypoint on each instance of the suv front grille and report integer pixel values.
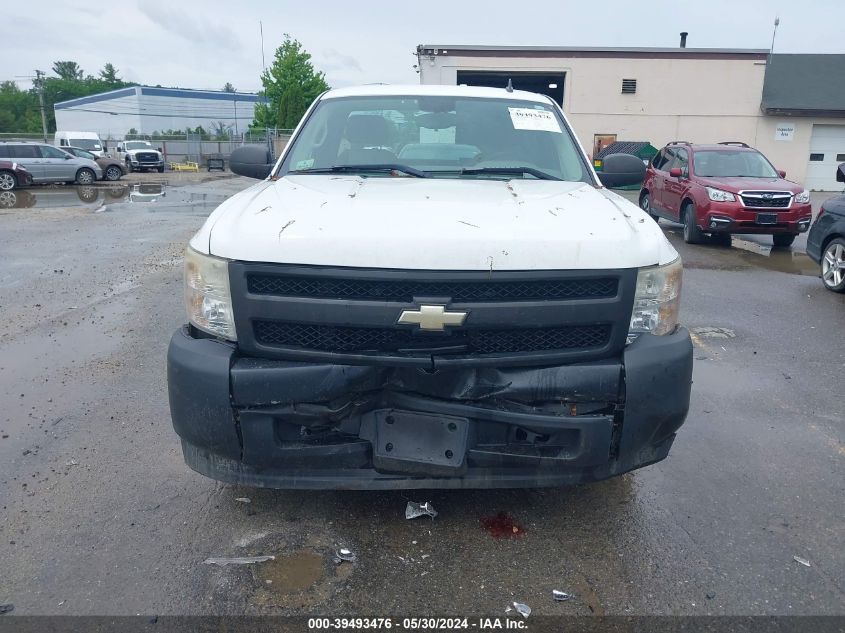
(147, 157)
(405, 291)
(360, 339)
(766, 199)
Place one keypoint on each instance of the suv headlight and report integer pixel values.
(803, 197)
(657, 300)
(208, 299)
(717, 195)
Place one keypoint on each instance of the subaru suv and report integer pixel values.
(723, 189)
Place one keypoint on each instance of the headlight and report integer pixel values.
(803, 197)
(717, 195)
(208, 299)
(657, 300)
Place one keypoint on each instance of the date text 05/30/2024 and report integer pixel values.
(415, 624)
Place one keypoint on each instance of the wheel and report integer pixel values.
(113, 172)
(7, 181)
(645, 205)
(85, 176)
(692, 234)
(833, 265)
(783, 240)
(8, 199)
(160, 169)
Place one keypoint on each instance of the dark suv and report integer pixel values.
(722, 189)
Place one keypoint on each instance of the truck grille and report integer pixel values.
(406, 290)
(349, 315)
(147, 157)
(766, 199)
(356, 339)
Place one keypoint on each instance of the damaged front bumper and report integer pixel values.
(283, 424)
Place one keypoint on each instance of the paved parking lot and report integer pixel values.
(99, 515)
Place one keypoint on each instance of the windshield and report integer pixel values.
(445, 137)
(725, 163)
(86, 143)
(138, 145)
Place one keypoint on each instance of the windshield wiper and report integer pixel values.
(509, 170)
(340, 169)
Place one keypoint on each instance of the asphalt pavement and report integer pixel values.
(99, 514)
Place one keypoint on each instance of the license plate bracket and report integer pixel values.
(419, 443)
(767, 218)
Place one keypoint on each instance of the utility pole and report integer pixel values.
(39, 84)
(235, 102)
(774, 33)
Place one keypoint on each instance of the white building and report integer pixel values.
(146, 110)
(790, 107)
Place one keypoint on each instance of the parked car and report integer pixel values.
(46, 163)
(826, 240)
(723, 189)
(85, 140)
(140, 156)
(112, 168)
(13, 175)
(384, 311)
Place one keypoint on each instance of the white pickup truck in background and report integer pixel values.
(140, 155)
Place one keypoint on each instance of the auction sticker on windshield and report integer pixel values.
(529, 119)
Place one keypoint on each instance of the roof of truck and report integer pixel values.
(413, 90)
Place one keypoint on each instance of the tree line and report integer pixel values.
(290, 85)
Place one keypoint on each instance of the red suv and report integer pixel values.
(723, 189)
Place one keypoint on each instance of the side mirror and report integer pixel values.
(68, 157)
(840, 173)
(159, 150)
(676, 172)
(781, 173)
(252, 161)
(618, 170)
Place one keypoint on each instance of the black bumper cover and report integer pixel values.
(283, 424)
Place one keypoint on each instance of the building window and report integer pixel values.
(840, 158)
(816, 158)
(629, 86)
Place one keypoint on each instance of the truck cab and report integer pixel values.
(430, 288)
(89, 141)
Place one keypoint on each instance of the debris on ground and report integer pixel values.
(414, 510)
(243, 500)
(523, 609)
(803, 561)
(561, 596)
(238, 560)
(344, 554)
(6, 608)
(502, 526)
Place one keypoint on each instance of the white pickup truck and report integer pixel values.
(430, 288)
(140, 156)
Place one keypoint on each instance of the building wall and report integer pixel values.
(148, 110)
(698, 100)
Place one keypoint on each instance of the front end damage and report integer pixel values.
(321, 424)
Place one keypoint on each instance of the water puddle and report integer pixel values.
(101, 197)
(781, 260)
(292, 573)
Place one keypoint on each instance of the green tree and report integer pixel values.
(109, 74)
(290, 85)
(68, 70)
(228, 87)
(19, 109)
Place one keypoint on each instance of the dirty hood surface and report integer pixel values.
(433, 224)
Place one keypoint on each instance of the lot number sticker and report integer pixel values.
(529, 119)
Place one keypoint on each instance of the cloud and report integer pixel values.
(190, 26)
(332, 60)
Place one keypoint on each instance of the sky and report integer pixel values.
(203, 44)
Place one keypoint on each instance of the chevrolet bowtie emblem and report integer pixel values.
(431, 317)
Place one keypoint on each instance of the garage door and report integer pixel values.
(827, 150)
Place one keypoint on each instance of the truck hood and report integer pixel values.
(433, 224)
(735, 185)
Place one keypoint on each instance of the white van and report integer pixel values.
(89, 141)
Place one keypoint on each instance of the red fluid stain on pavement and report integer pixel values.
(502, 526)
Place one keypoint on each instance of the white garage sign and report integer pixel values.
(784, 131)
